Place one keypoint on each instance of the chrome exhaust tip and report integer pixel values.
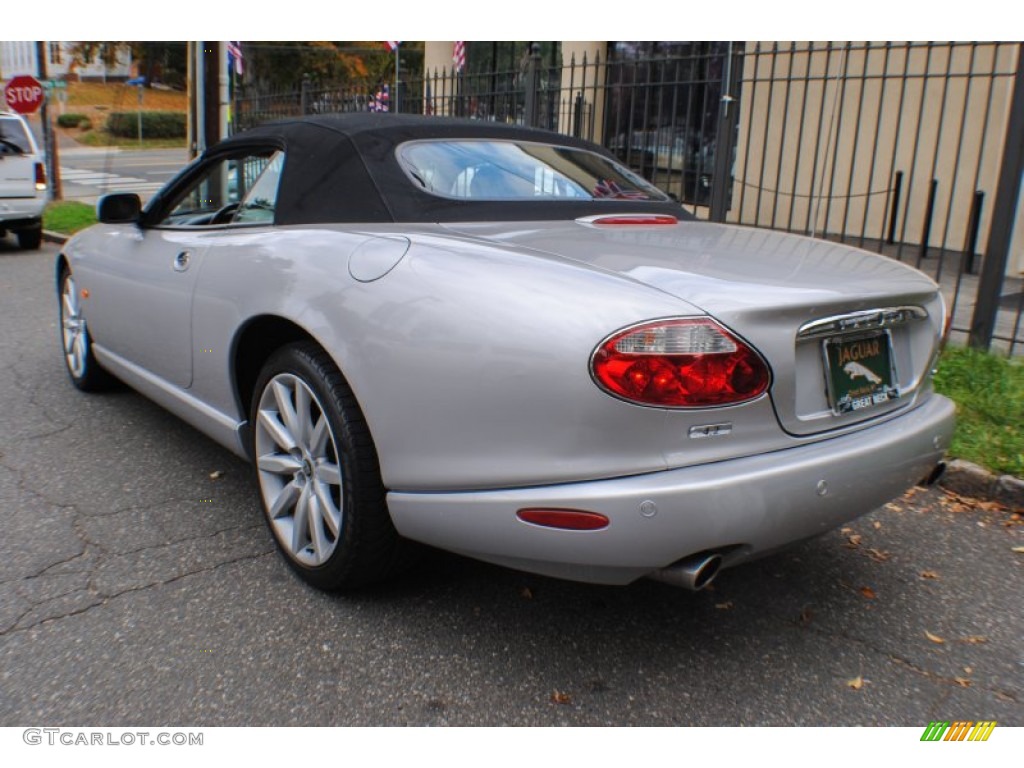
(693, 573)
(935, 475)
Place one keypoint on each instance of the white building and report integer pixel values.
(18, 57)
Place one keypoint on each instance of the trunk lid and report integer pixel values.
(789, 296)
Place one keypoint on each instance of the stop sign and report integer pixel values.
(24, 94)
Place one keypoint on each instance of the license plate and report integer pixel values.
(860, 372)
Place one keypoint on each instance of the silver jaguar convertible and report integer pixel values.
(503, 343)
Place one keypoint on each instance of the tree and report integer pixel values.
(278, 65)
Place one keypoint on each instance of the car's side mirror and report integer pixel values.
(119, 208)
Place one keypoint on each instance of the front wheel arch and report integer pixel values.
(76, 342)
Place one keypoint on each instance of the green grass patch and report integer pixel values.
(989, 394)
(68, 217)
(98, 138)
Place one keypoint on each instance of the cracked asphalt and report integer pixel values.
(136, 589)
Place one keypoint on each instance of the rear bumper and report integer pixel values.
(21, 212)
(745, 506)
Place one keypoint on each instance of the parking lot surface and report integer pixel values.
(139, 585)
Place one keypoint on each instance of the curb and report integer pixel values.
(55, 237)
(971, 480)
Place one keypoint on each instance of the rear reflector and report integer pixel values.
(567, 519)
(634, 218)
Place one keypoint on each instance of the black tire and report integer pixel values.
(366, 547)
(30, 239)
(85, 372)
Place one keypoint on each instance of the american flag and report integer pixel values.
(235, 55)
(380, 101)
(459, 55)
(393, 44)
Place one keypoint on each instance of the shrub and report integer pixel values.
(72, 120)
(155, 125)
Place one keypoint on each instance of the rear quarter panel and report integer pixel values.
(470, 362)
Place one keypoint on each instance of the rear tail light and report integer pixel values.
(40, 177)
(684, 363)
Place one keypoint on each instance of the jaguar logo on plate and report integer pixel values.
(860, 372)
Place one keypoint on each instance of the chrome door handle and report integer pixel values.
(181, 261)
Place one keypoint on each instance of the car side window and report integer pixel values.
(237, 189)
(260, 201)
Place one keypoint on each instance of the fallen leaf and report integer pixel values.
(1018, 550)
(853, 541)
(929, 575)
(968, 670)
(878, 555)
(990, 505)
(963, 682)
(216, 474)
(526, 593)
(845, 531)
(934, 638)
(856, 683)
(974, 639)
(876, 525)
(724, 606)
(868, 592)
(806, 614)
(561, 698)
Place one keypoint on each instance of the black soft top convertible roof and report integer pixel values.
(343, 168)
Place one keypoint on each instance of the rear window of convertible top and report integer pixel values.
(483, 169)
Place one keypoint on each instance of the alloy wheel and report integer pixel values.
(299, 470)
(73, 330)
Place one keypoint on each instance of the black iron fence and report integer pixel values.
(909, 149)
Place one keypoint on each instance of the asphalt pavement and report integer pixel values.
(139, 585)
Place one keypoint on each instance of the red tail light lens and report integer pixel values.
(40, 177)
(685, 363)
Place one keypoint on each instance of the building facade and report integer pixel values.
(19, 57)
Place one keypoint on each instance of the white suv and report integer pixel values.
(22, 182)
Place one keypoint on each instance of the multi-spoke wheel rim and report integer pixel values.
(73, 329)
(298, 469)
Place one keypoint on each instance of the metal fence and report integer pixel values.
(912, 150)
(908, 149)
